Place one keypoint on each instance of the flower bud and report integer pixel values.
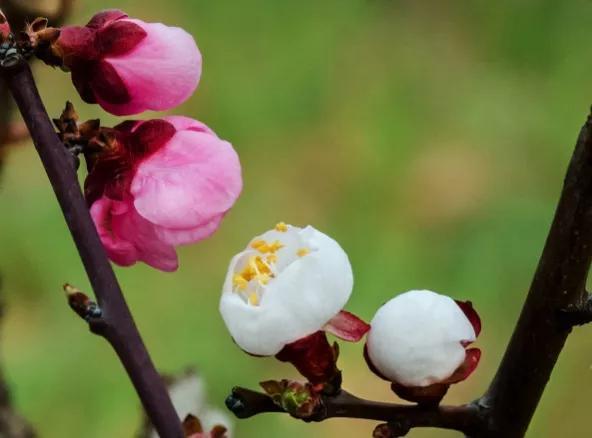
(126, 65)
(418, 342)
(156, 184)
(285, 285)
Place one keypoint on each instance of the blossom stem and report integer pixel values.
(116, 324)
(466, 419)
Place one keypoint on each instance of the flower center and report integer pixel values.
(260, 265)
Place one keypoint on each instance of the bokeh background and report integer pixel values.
(429, 138)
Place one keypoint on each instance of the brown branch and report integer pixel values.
(116, 323)
(245, 403)
(559, 283)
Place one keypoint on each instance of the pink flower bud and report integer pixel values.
(160, 183)
(418, 342)
(128, 66)
(4, 27)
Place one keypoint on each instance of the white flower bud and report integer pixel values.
(419, 337)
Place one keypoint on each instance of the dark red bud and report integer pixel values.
(314, 358)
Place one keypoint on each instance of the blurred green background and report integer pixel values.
(429, 138)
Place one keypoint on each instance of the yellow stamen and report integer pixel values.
(263, 278)
(302, 252)
(258, 244)
(272, 258)
(263, 247)
(240, 282)
(281, 227)
(254, 299)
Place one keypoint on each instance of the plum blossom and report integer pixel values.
(128, 66)
(157, 184)
(188, 394)
(286, 285)
(418, 341)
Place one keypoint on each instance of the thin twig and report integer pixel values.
(559, 283)
(116, 323)
(245, 403)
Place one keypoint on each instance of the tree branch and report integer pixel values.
(245, 403)
(117, 325)
(559, 283)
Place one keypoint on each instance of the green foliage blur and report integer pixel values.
(429, 138)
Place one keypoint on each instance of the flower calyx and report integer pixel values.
(38, 37)
(300, 400)
(192, 428)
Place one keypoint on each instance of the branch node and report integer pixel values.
(80, 303)
(576, 315)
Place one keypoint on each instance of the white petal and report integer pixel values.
(415, 338)
(302, 298)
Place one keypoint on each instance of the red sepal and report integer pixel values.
(119, 38)
(471, 314)
(111, 168)
(467, 367)
(430, 395)
(315, 359)
(149, 137)
(105, 17)
(107, 85)
(347, 326)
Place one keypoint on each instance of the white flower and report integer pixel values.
(287, 284)
(188, 396)
(419, 337)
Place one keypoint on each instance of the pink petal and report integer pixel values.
(4, 26)
(347, 326)
(472, 315)
(184, 236)
(160, 73)
(129, 238)
(192, 180)
(119, 250)
(182, 123)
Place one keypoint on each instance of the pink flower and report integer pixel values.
(160, 183)
(418, 341)
(128, 66)
(4, 27)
